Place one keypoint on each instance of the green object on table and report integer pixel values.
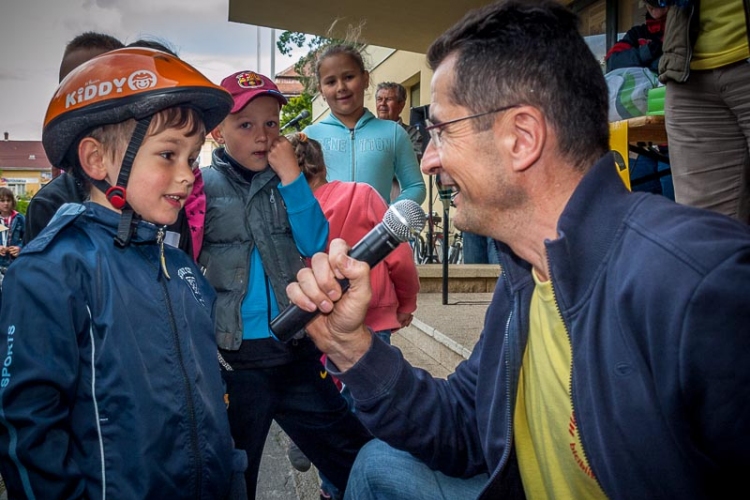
(655, 101)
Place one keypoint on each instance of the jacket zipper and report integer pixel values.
(186, 386)
(508, 410)
(189, 394)
(274, 209)
(570, 379)
(354, 168)
(688, 45)
(162, 260)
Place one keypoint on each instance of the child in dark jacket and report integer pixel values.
(641, 45)
(111, 386)
(261, 222)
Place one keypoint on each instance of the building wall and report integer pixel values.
(23, 181)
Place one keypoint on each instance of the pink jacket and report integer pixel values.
(352, 210)
(195, 211)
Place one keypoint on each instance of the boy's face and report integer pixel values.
(162, 176)
(248, 134)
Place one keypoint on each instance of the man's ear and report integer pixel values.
(526, 136)
(91, 156)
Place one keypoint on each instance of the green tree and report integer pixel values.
(286, 43)
(305, 67)
(295, 107)
(22, 203)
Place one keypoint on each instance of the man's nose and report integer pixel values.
(430, 160)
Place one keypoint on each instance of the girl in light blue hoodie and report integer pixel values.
(358, 146)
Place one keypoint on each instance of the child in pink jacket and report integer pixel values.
(352, 210)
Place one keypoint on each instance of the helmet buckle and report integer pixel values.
(116, 196)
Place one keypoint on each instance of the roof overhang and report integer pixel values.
(404, 25)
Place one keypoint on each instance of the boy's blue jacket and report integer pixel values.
(373, 152)
(655, 297)
(111, 385)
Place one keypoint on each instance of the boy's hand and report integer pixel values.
(283, 161)
(13, 251)
(339, 330)
(3, 250)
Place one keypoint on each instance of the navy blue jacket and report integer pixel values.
(110, 386)
(656, 299)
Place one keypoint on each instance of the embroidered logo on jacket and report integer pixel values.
(186, 275)
(6, 373)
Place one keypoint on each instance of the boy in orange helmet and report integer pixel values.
(111, 385)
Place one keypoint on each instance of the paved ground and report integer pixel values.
(441, 336)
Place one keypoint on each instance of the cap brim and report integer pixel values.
(242, 100)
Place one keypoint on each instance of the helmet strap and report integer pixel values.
(117, 195)
(128, 221)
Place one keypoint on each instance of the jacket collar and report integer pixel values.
(655, 25)
(332, 120)
(230, 168)
(145, 232)
(228, 165)
(587, 230)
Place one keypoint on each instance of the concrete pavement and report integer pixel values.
(440, 337)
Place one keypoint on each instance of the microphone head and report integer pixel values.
(304, 114)
(404, 219)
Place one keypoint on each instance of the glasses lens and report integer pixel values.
(433, 131)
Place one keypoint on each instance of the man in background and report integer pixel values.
(390, 99)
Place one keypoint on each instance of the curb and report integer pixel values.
(441, 338)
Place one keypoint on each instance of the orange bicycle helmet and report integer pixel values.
(128, 83)
(122, 84)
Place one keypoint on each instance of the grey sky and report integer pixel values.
(33, 34)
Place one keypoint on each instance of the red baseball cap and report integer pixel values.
(247, 85)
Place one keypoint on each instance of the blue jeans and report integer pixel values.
(381, 472)
(643, 166)
(325, 484)
(479, 249)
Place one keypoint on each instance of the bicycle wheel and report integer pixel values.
(457, 252)
(419, 250)
(438, 249)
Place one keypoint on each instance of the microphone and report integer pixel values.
(401, 222)
(294, 121)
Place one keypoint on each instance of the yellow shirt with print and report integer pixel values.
(550, 456)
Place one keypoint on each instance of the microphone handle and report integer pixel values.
(373, 248)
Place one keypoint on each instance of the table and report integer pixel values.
(634, 134)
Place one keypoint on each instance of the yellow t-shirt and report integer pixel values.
(551, 459)
(722, 38)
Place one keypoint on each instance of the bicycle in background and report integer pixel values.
(421, 250)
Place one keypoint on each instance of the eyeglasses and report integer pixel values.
(436, 129)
